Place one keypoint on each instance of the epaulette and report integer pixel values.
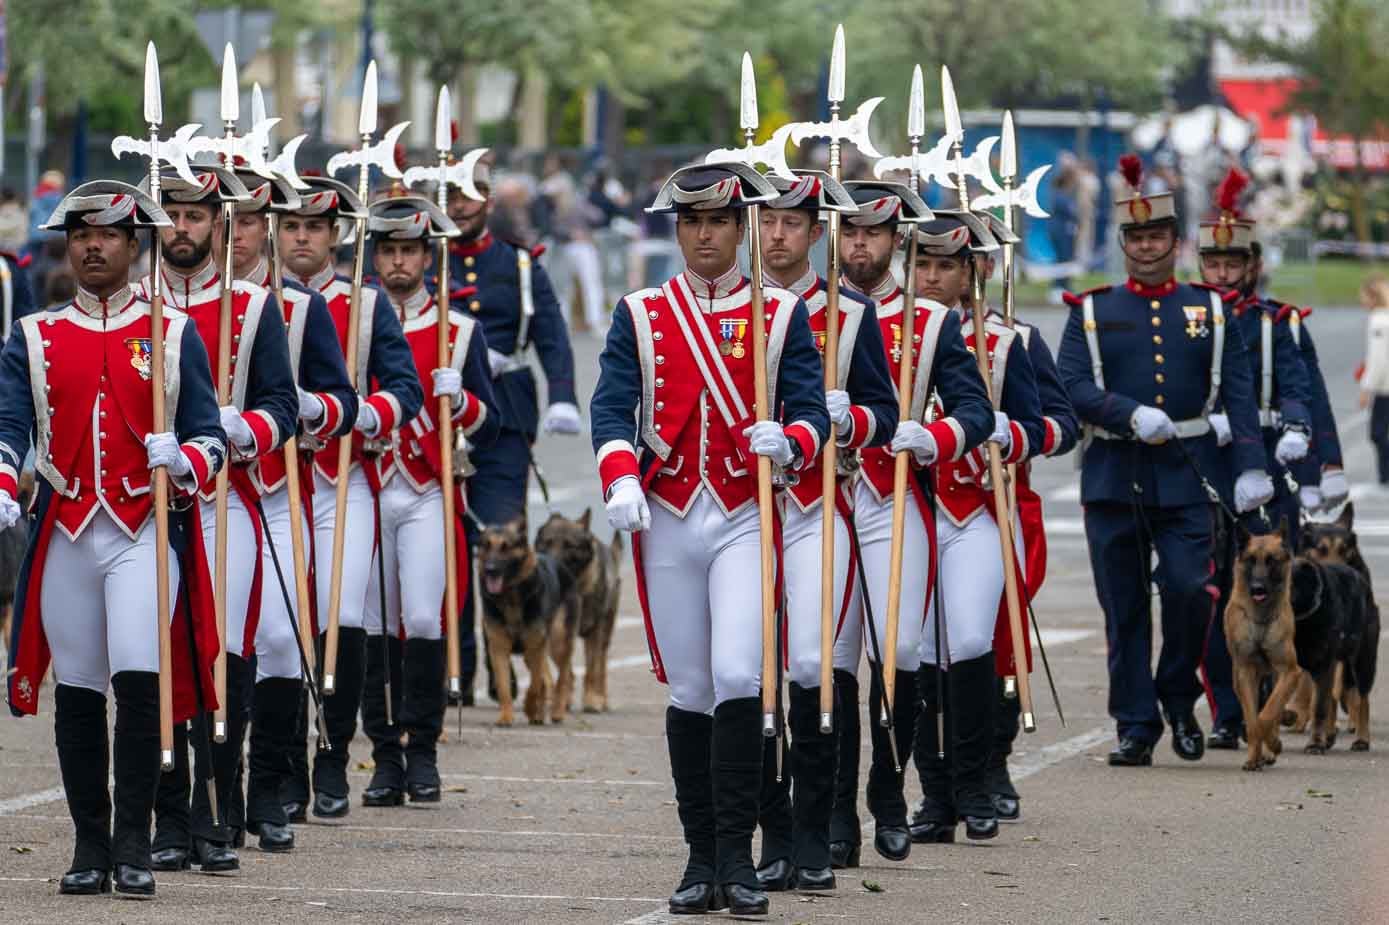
(461, 293)
(1070, 298)
(20, 260)
(1226, 295)
(1304, 312)
(534, 250)
(1281, 312)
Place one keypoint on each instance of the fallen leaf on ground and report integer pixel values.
(1321, 794)
(366, 766)
(873, 886)
(458, 789)
(21, 849)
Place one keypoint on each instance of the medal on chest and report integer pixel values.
(1196, 321)
(897, 343)
(140, 349)
(731, 333)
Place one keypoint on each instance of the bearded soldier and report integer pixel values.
(678, 361)
(407, 480)
(77, 378)
(795, 826)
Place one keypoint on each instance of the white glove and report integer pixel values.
(1152, 425)
(497, 362)
(10, 511)
(837, 401)
(1334, 487)
(310, 406)
(1310, 497)
(368, 421)
(627, 508)
(447, 381)
(918, 440)
(1253, 488)
(766, 438)
(561, 418)
(1003, 434)
(1220, 423)
(1292, 446)
(238, 431)
(164, 450)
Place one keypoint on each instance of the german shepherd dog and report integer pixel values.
(1259, 628)
(522, 612)
(1355, 654)
(590, 578)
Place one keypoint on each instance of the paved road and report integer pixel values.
(576, 823)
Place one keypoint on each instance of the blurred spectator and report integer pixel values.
(1087, 197)
(14, 225)
(572, 230)
(511, 210)
(1374, 373)
(1064, 224)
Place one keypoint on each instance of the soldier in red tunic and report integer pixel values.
(77, 377)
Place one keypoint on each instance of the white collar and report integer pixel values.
(319, 281)
(97, 307)
(414, 305)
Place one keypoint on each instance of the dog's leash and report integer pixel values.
(539, 478)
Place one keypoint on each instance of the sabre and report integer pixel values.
(997, 475)
(370, 155)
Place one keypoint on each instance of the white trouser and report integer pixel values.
(587, 266)
(100, 611)
(874, 522)
(414, 522)
(277, 648)
(703, 580)
(971, 587)
(801, 534)
(356, 551)
(241, 566)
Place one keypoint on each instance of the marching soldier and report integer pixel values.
(326, 408)
(933, 435)
(795, 827)
(677, 359)
(406, 478)
(1146, 363)
(516, 305)
(263, 411)
(77, 377)
(390, 397)
(970, 583)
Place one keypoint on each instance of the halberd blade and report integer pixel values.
(770, 153)
(854, 129)
(366, 118)
(443, 123)
(154, 101)
(459, 174)
(1008, 154)
(231, 95)
(380, 155)
(1023, 196)
(284, 163)
(953, 127)
(258, 114)
(916, 106)
(836, 83)
(747, 97)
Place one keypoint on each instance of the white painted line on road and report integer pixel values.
(1050, 755)
(30, 800)
(1066, 494)
(523, 677)
(658, 917)
(1063, 637)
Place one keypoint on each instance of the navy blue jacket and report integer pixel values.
(1326, 442)
(270, 381)
(322, 367)
(1062, 425)
(1156, 348)
(869, 382)
(1291, 388)
(489, 265)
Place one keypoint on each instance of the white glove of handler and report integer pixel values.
(447, 381)
(911, 436)
(497, 361)
(1310, 497)
(627, 508)
(766, 438)
(1253, 488)
(1334, 487)
(561, 418)
(310, 406)
(1220, 423)
(368, 421)
(1292, 446)
(164, 450)
(238, 431)
(1152, 425)
(1003, 434)
(10, 511)
(837, 401)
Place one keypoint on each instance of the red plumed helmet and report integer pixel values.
(1228, 193)
(1132, 169)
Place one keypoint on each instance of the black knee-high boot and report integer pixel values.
(422, 717)
(79, 726)
(936, 820)
(1007, 721)
(136, 765)
(276, 713)
(812, 769)
(971, 700)
(173, 834)
(886, 801)
(736, 754)
(340, 716)
(212, 842)
(387, 786)
(689, 738)
(775, 872)
(845, 833)
(294, 787)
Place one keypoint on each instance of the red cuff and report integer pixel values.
(387, 412)
(332, 415)
(861, 430)
(264, 429)
(806, 439)
(1017, 444)
(201, 462)
(9, 480)
(616, 459)
(470, 414)
(949, 439)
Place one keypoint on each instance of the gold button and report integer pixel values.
(1158, 399)
(1157, 322)
(469, 261)
(1155, 304)
(475, 305)
(470, 277)
(1160, 378)
(1157, 338)
(1158, 359)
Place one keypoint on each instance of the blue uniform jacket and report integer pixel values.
(490, 265)
(1291, 390)
(1326, 442)
(1156, 347)
(869, 382)
(1062, 425)
(322, 367)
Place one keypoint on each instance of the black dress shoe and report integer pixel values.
(1225, 738)
(425, 793)
(238, 838)
(814, 878)
(330, 807)
(931, 832)
(980, 828)
(134, 881)
(1009, 809)
(85, 882)
(214, 857)
(777, 876)
(893, 842)
(169, 859)
(1131, 753)
(1187, 740)
(376, 796)
(695, 899)
(744, 900)
(844, 855)
(274, 838)
(295, 812)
